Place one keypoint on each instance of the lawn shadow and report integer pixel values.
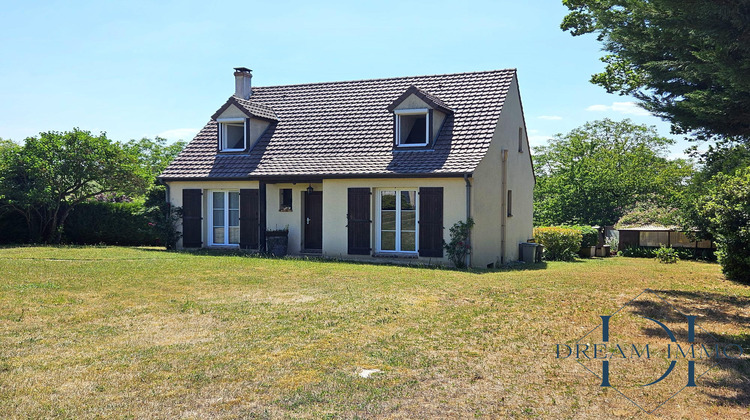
(715, 308)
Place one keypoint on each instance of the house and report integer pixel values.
(362, 169)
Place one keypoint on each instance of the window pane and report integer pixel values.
(408, 220)
(234, 217)
(408, 199)
(234, 235)
(388, 220)
(388, 200)
(388, 241)
(235, 135)
(407, 241)
(219, 235)
(654, 238)
(218, 200)
(218, 217)
(413, 129)
(285, 199)
(234, 200)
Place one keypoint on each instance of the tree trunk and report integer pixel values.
(60, 225)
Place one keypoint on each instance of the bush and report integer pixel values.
(727, 211)
(110, 223)
(459, 247)
(559, 243)
(589, 234)
(681, 253)
(637, 252)
(163, 217)
(666, 255)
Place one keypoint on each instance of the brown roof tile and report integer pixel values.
(345, 129)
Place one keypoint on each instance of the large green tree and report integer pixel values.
(726, 210)
(154, 155)
(52, 173)
(688, 61)
(597, 172)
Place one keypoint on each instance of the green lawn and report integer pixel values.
(135, 332)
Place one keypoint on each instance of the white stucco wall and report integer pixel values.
(335, 197)
(175, 197)
(487, 188)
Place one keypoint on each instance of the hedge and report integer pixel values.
(559, 243)
(111, 224)
(589, 234)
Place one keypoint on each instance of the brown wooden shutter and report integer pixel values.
(358, 221)
(249, 219)
(431, 222)
(192, 221)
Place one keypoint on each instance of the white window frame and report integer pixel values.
(416, 111)
(378, 221)
(210, 211)
(223, 133)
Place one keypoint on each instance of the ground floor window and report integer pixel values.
(224, 218)
(397, 221)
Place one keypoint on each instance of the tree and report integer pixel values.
(52, 173)
(686, 61)
(725, 157)
(154, 155)
(596, 173)
(726, 208)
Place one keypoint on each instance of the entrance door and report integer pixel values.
(314, 220)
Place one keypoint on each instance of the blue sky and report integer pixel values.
(140, 69)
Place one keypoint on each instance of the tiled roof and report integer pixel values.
(345, 129)
(429, 99)
(251, 108)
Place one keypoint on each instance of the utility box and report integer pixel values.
(528, 252)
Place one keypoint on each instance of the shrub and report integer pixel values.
(666, 255)
(459, 247)
(559, 243)
(681, 253)
(100, 222)
(613, 242)
(589, 234)
(637, 252)
(727, 211)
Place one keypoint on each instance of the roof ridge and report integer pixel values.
(513, 69)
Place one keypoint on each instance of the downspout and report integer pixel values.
(166, 194)
(468, 214)
(504, 205)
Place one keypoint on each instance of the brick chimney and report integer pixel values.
(242, 86)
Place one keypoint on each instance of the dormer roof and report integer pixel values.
(249, 108)
(432, 101)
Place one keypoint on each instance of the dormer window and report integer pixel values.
(232, 134)
(412, 127)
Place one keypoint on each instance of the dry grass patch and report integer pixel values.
(133, 332)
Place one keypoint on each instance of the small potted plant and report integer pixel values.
(277, 241)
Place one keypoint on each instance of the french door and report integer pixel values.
(397, 222)
(224, 218)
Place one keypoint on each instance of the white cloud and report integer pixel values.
(550, 117)
(538, 140)
(186, 134)
(626, 108)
